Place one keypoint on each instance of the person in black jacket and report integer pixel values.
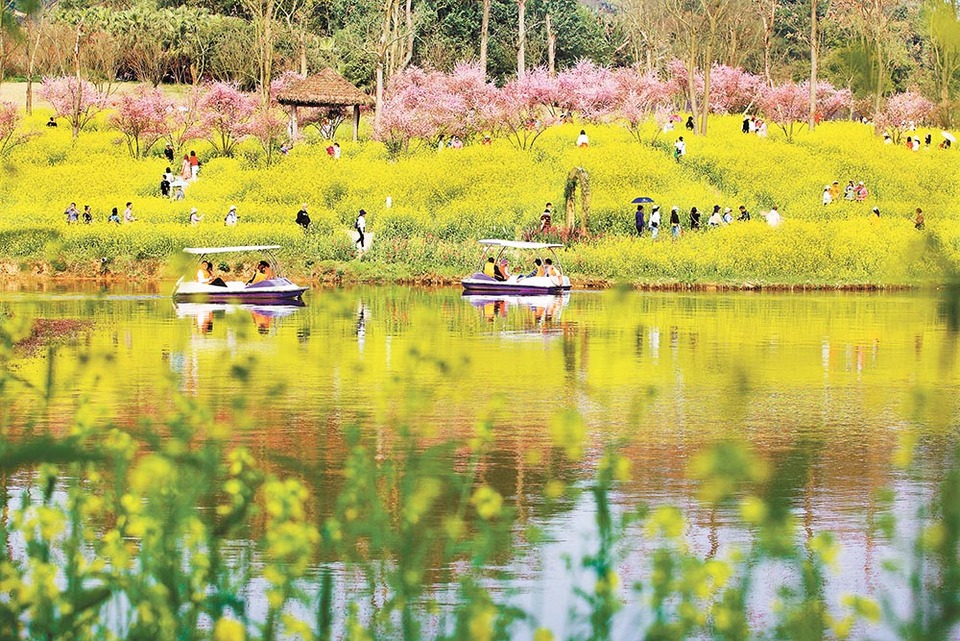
(303, 219)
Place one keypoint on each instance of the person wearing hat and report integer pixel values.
(195, 218)
(303, 219)
(727, 215)
(361, 227)
(655, 221)
(876, 211)
(827, 196)
(675, 221)
(231, 218)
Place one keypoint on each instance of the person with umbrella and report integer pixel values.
(640, 215)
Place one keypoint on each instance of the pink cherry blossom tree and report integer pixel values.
(10, 134)
(402, 117)
(901, 112)
(269, 127)
(463, 102)
(640, 99)
(522, 112)
(185, 119)
(733, 90)
(589, 90)
(141, 117)
(786, 105)
(76, 100)
(833, 103)
(227, 112)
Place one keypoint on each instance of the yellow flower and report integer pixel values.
(229, 630)
(487, 502)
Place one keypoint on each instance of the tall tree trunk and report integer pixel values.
(381, 60)
(31, 64)
(814, 55)
(551, 48)
(707, 65)
(408, 16)
(303, 52)
(484, 35)
(768, 42)
(691, 82)
(522, 39)
(79, 99)
(879, 95)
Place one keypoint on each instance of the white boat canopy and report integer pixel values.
(516, 244)
(197, 251)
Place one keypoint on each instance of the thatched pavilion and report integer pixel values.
(324, 89)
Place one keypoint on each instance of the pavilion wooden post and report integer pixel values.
(294, 123)
(356, 122)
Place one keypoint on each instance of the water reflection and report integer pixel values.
(819, 385)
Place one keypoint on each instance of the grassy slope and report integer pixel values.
(443, 202)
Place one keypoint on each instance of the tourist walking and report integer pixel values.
(827, 196)
(231, 218)
(128, 214)
(849, 192)
(546, 218)
(194, 165)
(679, 149)
(655, 222)
(694, 218)
(582, 139)
(860, 192)
(919, 222)
(639, 220)
(361, 227)
(87, 215)
(195, 217)
(744, 214)
(114, 217)
(675, 221)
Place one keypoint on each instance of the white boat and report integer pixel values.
(275, 290)
(517, 284)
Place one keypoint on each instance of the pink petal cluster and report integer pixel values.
(78, 101)
(142, 119)
(226, 112)
(733, 90)
(902, 111)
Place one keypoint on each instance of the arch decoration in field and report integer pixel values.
(326, 89)
(577, 178)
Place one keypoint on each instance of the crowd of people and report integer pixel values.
(75, 216)
(852, 192)
(720, 217)
(501, 270)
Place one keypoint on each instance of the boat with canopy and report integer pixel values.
(272, 289)
(547, 278)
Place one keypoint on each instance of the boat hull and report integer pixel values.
(276, 291)
(531, 286)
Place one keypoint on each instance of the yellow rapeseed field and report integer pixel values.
(443, 201)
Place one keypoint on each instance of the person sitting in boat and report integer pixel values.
(551, 271)
(500, 272)
(205, 275)
(490, 267)
(261, 274)
(538, 269)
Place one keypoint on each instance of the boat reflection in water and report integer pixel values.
(264, 317)
(531, 314)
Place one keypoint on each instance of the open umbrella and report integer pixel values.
(642, 199)
(949, 136)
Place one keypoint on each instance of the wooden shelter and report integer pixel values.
(324, 89)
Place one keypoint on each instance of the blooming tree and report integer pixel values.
(465, 103)
(641, 98)
(733, 90)
(589, 90)
(786, 105)
(522, 114)
(901, 112)
(10, 135)
(832, 102)
(185, 119)
(269, 127)
(76, 100)
(402, 118)
(141, 117)
(226, 113)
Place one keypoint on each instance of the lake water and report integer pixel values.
(832, 379)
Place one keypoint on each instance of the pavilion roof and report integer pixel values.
(326, 88)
